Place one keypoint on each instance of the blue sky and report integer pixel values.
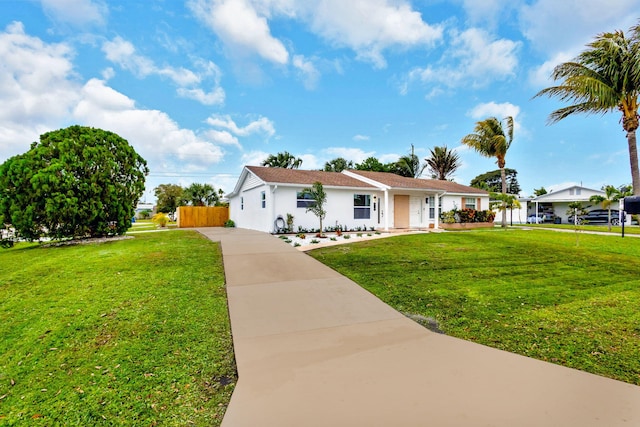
(202, 87)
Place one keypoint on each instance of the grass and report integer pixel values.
(532, 292)
(633, 229)
(130, 332)
(147, 225)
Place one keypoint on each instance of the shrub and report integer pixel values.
(160, 219)
(145, 214)
(74, 182)
(229, 223)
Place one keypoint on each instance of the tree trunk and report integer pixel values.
(633, 158)
(503, 176)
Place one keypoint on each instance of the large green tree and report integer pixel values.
(74, 182)
(492, 181)
(442, 162)
(372, 164)
(492, 138)
(338, 165)
(201, 194)
(169, 197)
(282, 160)
(603, 78)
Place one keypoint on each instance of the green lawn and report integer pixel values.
(532, 292)
(130, 332)
(632, 229)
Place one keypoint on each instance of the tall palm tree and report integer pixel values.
(604, 78)
(282, 160)
(442, 163)
(409, 165)
(492, 138)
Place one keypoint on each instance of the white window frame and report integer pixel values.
(364, 209)
(470, 203)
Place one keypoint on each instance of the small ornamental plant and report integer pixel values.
(160, 219)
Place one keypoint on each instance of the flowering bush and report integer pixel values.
(467, 215)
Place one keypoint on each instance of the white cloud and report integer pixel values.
(388, 158)
(368, 27)
(38, 88)
(371, 26)
(215, 97)
(486, 11)
(222, 137)
(568, 25)
(241, 28)
(361, 138)
(475, 58)
(541, 76)
(355, 154)
(254, 158)
(310, 162)
(307, 72)
(123, 53)
(76, 12)
(261, 125)
(153, 133)
(500, 111)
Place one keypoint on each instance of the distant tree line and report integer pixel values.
(170, 196)
(441, 164)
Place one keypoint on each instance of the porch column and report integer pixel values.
(386, 210)
(436, 220)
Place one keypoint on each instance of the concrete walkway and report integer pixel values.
(315, 349)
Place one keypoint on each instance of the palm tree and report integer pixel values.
(201, 194)
(604, 78)
(338, 165)
(612, 194)
(282, 160)
(442, 163)
(319, 196)
(492, 138)
(409, 165)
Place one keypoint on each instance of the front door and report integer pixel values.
(400, 211)
(415, 212)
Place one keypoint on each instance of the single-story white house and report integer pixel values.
(554, 205)
(263, 197)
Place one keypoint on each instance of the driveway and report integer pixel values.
(315, 349)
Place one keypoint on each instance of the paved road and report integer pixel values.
(315, 349)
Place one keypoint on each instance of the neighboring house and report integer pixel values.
(143, 206)
(515, 215)
(355, 199)
(555, 204)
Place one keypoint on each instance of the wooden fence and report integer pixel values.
(202, 216)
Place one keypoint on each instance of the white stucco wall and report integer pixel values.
(282, 200)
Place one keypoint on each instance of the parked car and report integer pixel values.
(535, 219)
(599, 216)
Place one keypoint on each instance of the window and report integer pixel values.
(263, 198)
(305, 200)
(432, 207)
(241, 203)
(469, 203)
(361, 206)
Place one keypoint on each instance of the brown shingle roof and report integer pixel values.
(397, 181)
(305, 177)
